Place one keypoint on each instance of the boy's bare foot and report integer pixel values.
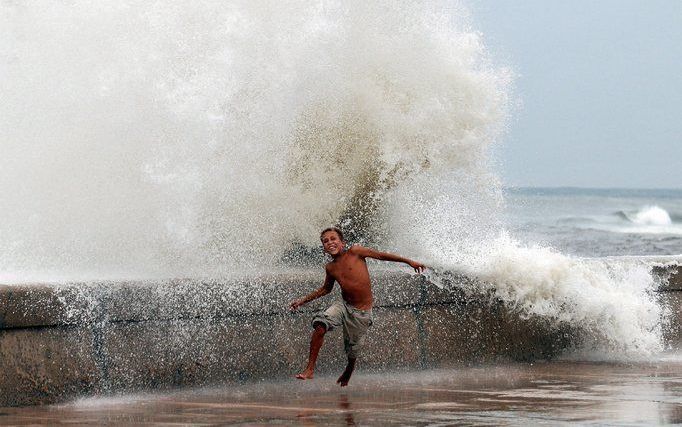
(345, 376)
(305, 375)
(343, 379)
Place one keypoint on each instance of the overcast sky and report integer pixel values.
(601, 89)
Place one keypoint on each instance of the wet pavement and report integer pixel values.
(550, 393)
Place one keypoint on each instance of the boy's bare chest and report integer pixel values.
(350, 272)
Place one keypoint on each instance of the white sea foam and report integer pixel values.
(610, 300)
(651, 215)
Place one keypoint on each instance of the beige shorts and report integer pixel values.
(355, 323)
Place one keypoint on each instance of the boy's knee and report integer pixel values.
(319, 327)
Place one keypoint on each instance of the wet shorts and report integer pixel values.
(355, 323)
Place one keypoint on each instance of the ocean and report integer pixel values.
(598, 222)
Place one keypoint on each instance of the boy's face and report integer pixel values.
(331, 243)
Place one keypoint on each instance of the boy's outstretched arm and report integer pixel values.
(322, 291)
(387, 256)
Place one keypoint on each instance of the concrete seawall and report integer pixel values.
(58, 342)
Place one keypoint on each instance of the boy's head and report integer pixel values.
(332, 240)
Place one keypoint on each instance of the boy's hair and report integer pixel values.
(336, 229)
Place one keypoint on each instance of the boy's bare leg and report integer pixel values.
(345, 376)
(315, 344)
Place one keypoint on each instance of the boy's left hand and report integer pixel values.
(418, 266)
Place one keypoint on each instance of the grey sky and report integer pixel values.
(601, 89)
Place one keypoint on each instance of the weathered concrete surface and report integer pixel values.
(671, 277)
(670, 296)
(57, 342)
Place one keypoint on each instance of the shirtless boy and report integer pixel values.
(354, 313)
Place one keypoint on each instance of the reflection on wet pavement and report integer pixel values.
(551, 393)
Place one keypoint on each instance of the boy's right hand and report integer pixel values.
(296, 304)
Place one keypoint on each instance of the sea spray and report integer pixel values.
(609, 303)
(166, 139)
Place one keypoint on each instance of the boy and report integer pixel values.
(354, 313)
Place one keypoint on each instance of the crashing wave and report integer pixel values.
(648, 215)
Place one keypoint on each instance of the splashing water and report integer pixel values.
(609, 300)
(161, 140)
(165, 139)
